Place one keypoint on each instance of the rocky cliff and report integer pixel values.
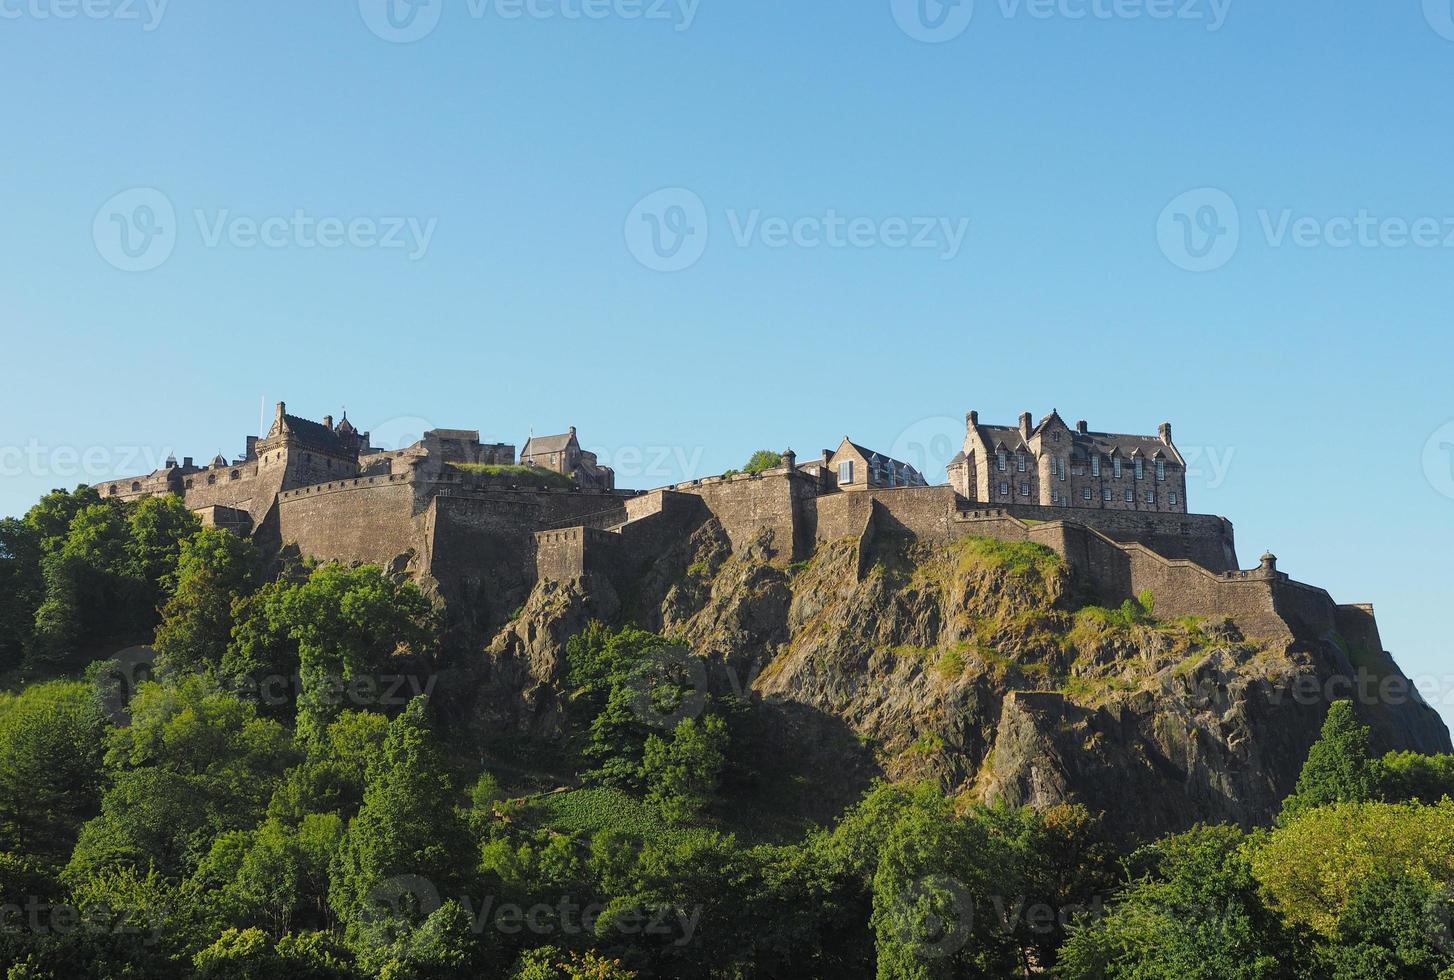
(984, 666)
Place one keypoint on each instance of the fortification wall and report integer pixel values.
(781, 502)
(933, 514)
(362, 519)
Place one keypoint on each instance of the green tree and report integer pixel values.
(50, 767)
(22, 587)
(1410, 776)
(195, 762)
(763, 459)
(215, 568)
(681, 774)
(406, 831)
(89, 592)
(1338, 768)
(158, 528)
(1192, 912)
(349, 624)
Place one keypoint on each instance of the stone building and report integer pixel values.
(857, 468)
(563, 454)
(1053, 465)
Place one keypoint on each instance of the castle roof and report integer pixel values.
(1083, 444)
(536, 445)
(316, 435)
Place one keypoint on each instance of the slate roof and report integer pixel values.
(536, 445)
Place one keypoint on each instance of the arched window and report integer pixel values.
(211, 479)
(235, 475)
(135, 487)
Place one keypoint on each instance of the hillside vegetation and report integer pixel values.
(890, 761)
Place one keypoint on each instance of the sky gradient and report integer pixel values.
(694, 229)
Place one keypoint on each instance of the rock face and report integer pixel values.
(980, 665)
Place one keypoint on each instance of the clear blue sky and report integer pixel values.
(1315, 374)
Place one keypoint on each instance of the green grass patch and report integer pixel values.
(533, 476)
(595, 809)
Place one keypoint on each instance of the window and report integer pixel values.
(1024, 489)
(1059, 468)
(1055, 496)
(1004, 489)
(1140, 468)
(845, 471)
(1171, 498)
(189, 484)
(1086, 493)
(1161, 471)
(1130, 496)
(135, 487)
(1000, 462)
(1151, 496)
(1055, 437)
(1106, 494)
(1095, 464)
(1116, 467)
(1020, 462)
(235, 475)
(211, 479)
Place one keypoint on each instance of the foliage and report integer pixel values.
(50, 755)
(525, 475)
(762, 460)
(1338, 768)
(215, 569)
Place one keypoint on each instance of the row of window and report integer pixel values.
(1057, 466)
(1107, 495)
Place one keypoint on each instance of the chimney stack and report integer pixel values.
(328, 422)
(1165, 431)
(1081, 427)
(1025, 425)
(972, 418)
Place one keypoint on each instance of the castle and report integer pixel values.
(464, 518)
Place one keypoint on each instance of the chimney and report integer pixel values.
(1081, 427)
(972, 419)
(251, 448)
(1165, 432)
(282, 409)
(827, 456)
(328, 422)
(1025, 425)
(572, 430)
(186, 462)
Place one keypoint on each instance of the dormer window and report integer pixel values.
(1020, 462)
(1000, 462)
(1140, 468)
(1096, 465)
(1116, 467)
(845, 471)
(1161, 471)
